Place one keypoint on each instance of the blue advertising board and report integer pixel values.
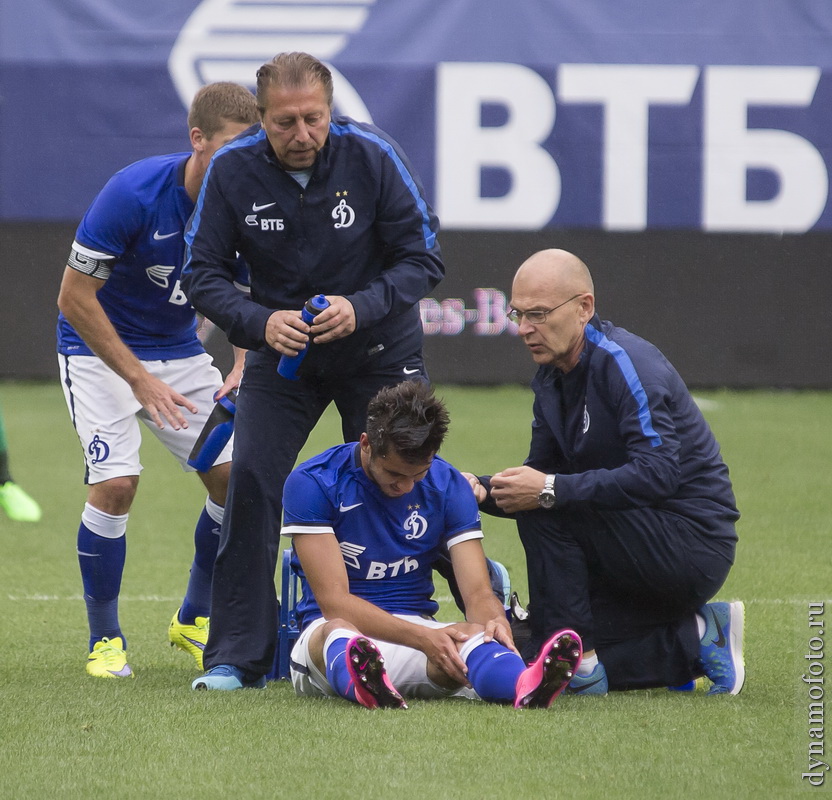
(519, 115)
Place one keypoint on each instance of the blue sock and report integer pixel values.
(493, 671)
(101, 559)
(337, 674)
(197, 602)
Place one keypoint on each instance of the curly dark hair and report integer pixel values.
(408, 418)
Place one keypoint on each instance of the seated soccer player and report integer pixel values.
(367, 521)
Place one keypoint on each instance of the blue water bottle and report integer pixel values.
(215, 434)
(288, 365)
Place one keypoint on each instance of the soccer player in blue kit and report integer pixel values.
(367, 520)
(129, 352)
(624, 505)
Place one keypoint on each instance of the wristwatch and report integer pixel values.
(546, 498)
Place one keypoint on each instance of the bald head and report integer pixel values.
(555, 272)
(553, 300)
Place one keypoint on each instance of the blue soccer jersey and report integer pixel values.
(132, 237)
(389, 544)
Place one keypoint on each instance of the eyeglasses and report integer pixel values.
(538, 317)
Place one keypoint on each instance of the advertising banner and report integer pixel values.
(525, 115)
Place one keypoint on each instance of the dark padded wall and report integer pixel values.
(727, 309)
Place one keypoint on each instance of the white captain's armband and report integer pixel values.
(90, 262)
(464, 536)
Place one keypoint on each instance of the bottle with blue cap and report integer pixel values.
(288, 365)
(215, 434)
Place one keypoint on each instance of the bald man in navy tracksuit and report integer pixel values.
(624, 505)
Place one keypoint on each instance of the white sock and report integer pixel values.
(334, 636)
(700, 626)
(110, 526)
(587, 665)
(215, 510)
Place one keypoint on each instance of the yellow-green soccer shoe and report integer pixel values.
(17, 504)
(108, 659)
(190, 638)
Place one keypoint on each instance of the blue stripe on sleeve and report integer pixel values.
(633, 382)
(340, 130)
(197, 215)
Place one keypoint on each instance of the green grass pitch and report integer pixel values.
(67, 735)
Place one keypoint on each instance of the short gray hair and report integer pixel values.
(293, 70)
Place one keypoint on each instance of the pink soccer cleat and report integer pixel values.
(550, 673)
(366, 667)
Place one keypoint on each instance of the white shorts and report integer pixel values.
(406, 667)
(106, 414)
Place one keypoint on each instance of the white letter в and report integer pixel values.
(731, 149)
(463, 146)
(626, 91)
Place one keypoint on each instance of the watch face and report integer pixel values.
(546, 500)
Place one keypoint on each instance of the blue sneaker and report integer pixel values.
(227, 678)
(721, 647)
(594, 683)
(500, 581)
(696, 686)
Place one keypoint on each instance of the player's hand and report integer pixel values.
(235, 375)
(230, 383)
(498, 629)
(334, 322)
(162, 402)
(517, 488)
(286, 332)
(476, 485)
(439, 645)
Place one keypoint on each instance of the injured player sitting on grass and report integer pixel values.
(367, 520)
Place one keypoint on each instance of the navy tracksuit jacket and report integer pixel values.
(643, 532)
(360, 228)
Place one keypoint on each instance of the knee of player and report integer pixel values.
(115, 495)
(332, 629)
(335, 624)
(216, 480)
(470, 629)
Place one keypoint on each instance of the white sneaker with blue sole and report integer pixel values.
(227, 678)
(721, 646)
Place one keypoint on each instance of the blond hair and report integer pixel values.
(216, 104)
